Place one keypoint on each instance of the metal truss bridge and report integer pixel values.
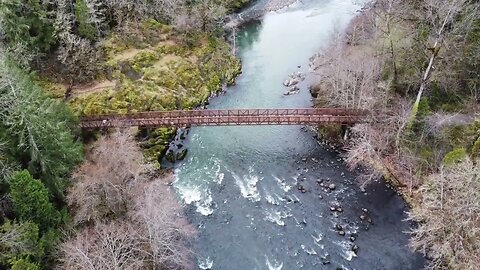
(227, 117)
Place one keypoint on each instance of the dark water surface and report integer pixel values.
(241, 183)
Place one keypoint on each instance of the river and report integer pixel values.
(240, 184)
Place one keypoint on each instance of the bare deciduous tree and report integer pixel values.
(168, 233)
(113, 246)
(79, 58)
(138, 224)
(374, 144)
(347, 78)
(103, 184)
(448, 217)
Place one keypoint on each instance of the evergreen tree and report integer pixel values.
(28, 23)
(31, 202)
(40, 127)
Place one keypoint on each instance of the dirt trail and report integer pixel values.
(92, 87)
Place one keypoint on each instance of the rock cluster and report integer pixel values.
(291, 83)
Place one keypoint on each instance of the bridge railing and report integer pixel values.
(223, 121)
(228, 112)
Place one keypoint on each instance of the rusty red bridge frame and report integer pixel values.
(227, 117)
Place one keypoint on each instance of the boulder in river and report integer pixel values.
(331, 186)
(182, 154)
(292, 91)
(291, 82)
(170, 156)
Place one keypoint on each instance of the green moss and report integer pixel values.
(143, 59)
(455, 156)
(147, 34)
(54, 90)
(155, 143)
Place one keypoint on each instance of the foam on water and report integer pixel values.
(282, 184)
(309, 250)
(273, 200)
(218, 176)
(205, 206)
(248, 186)
(276, 216)
(189, 194)
(273, 266)
(205, 263)
(318, 237)
(202, 199)
(347, 253)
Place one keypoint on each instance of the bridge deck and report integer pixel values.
(226, 117)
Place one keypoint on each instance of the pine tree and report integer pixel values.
(40, 127)
(27, 23)
(31, 202)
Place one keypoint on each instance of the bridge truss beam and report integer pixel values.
(227, 118)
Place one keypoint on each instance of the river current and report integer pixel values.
(241, 184)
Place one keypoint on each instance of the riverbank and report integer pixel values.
(373, 66)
